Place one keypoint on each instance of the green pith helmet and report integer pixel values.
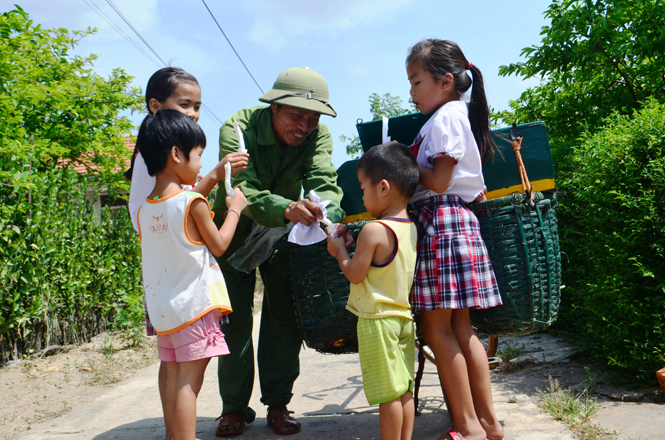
(301, 87)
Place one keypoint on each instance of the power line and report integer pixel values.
(110, 2)
(111, 23)
(207, 109)
(234, 49)
(115, 8)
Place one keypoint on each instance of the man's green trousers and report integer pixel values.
(279, 338)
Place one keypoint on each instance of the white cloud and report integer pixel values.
(77, 15)
(278, 22)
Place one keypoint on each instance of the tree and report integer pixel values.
(601, 64)
(55, 108)
(68, 271)
(379, 106)
(597, 57)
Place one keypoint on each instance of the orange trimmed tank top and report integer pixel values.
(181, 277)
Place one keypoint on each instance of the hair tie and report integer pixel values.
(468, 66)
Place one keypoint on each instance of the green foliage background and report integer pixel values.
(67, 271)
(602, 87)
(597, 57)
(615, 212)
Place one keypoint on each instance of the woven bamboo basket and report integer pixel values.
(320, 292)
(522, 240)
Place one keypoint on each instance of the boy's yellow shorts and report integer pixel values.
(387, 354)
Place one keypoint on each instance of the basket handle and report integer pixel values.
(516, 143)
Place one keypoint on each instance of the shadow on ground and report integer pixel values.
(359, 426)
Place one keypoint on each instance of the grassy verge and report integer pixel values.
(576, 411)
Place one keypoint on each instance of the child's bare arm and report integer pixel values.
(438, 177)
(238, 162)
(355, 269)
(218, 240)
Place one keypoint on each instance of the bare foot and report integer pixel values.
(493, 431)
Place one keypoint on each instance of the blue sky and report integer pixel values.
(359, 46)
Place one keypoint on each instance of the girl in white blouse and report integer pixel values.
(454, 272)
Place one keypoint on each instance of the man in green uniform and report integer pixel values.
(288, 150)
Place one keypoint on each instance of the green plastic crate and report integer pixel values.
(501, 174)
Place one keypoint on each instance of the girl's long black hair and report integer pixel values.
(160, 86)
(439, 57)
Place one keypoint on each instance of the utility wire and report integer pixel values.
(106, 18)
(110, 2)
(234, 49)
(210, 113)
(205, 107)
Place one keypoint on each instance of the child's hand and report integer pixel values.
(237, 201)
(238, 162)
(481, 197)
(342, 231)
(334, 245)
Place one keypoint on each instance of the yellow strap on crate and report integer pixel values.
(538, 185)
(358, 217)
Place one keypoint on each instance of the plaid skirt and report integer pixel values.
(453, 270)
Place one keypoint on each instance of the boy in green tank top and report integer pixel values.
(381, 273)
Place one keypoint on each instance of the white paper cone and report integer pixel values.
(227, 178)
(384, 131)
(241, 139)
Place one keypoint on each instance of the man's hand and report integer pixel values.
(305, 211)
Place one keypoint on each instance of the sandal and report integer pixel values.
(281, 422)
(230, 424)
(454, 435)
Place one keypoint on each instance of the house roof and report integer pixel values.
(85, 164)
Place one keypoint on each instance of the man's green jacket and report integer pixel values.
(274, 177)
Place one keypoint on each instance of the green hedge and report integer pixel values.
(614, 234)
(68, 273)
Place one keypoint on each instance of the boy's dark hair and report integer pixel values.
(167, 129)
(395, 163)
(439, 57)
(160, 86)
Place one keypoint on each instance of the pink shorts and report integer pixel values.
(201, 339)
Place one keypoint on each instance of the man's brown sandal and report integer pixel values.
(281, 422)
(230, 424)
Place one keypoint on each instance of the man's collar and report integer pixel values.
(266, 134)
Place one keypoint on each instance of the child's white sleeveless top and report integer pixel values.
(181, 277)
(142, 185)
